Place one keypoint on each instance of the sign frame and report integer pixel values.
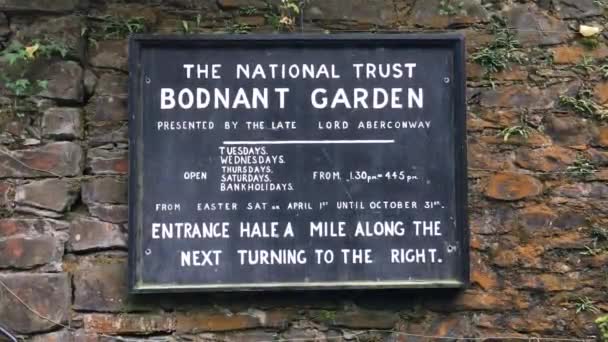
(137, 42)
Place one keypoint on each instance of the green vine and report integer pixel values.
(502, 52)
(451, 7)
(19, 57)
(522, 129)
(602, 324)
(583, 104)
(581, 168)
(188, 27)
(17, 52)
(284, 18)
(111, 27)
(584, 304)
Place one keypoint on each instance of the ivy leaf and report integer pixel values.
(42, 84)
(12, 58)
(63, 51)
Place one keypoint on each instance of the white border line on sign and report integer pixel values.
(309, 142)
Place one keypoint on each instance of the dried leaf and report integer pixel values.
(588, 31)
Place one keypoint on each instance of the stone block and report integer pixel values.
(546, 282)
(569, 130)
(367, 12)
(474, 299)
(512, 187)
(57, 336)
(7, 191)
(129, 323)
(577, 9)
(104, 190)
(4, 29)
(49, 194)
(25, 252)
(537, 218)
(574, 54)
(47, 293)
(427, 13)
(62, 123)
(101, 161)
(115, 213)
(106, 133)
(583, 190)
(108, 108)
(527, 97)
(534, 27)
(112, 84)
(553, 158)
(65, 81)
(194, 322)
(527, 256)
(600, 92)
(110, 54)
(601, 139)
(38, 5)
(236, 4)
(25, 226)
(357, 319)
(64, 30)
(100, 284)
(53, 159)
(88, 234)
(482, 274)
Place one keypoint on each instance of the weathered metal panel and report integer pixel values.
(348, 158)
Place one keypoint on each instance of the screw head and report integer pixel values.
(148, 80)
(148, 251)
(446, 80)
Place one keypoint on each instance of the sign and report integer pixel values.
(297, 162)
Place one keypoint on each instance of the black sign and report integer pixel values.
(297, 162)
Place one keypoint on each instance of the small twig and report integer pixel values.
(7, 334)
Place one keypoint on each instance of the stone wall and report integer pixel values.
(538, 193)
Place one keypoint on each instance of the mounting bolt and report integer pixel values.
(148, 251)
(148, 80)
(446, 80)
